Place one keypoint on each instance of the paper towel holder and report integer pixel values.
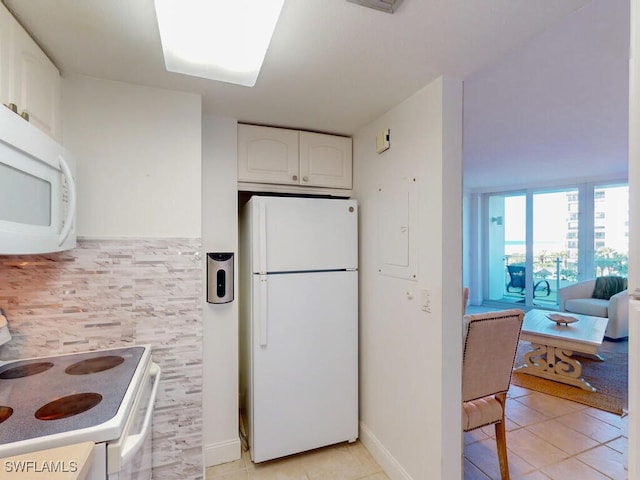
(220, 277)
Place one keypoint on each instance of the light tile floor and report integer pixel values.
(340, 462)
(548, 438)
(551, 438)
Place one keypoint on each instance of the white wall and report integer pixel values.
(555, 108)
(220, 322)
(138, 152)
(634, 243)
(410, 360)
(472, 258)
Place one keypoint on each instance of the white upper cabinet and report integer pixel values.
(5, 53)
(267, 155)
(325, 160)
(28, 79)
(291, 157)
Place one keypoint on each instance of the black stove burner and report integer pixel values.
(26, 370)
(5, 413)
(94, 365)
(68, 406)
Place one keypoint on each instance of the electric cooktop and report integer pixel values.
(63, 393)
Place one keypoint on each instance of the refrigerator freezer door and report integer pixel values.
(304, 374)
(303, 234)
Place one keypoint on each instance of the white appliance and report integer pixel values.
(102, 396)
(37, 190)
(299, 323)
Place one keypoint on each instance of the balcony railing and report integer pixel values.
(560, 272)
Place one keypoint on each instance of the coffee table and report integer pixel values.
(553, 346)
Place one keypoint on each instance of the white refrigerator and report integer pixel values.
(298, 323)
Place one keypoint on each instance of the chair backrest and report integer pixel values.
(516, 274)
(465, 299)
(489, 352)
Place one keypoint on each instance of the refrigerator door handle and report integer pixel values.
(263, 312)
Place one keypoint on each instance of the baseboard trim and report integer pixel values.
(222, 452)
(389, 464)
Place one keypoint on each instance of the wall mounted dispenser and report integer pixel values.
(219, 277)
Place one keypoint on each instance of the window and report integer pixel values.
(611, 231)
(576, 234)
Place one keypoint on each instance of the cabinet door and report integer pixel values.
(6, 56)
(325, 160)
(36, 84)
(267, 155)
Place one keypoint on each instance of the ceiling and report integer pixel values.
(332, 66)
(556, 110)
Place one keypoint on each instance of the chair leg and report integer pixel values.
(501, 441)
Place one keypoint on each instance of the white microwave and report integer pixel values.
(37, 190)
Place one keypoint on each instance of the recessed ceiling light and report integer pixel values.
(224, 40)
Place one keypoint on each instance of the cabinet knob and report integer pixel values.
(305, 179)
(294, 177)
(25, 115)
(12, 106)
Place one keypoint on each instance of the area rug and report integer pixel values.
(610, 378)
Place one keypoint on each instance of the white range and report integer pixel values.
(103, 396)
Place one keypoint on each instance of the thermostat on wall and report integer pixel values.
(383, 140)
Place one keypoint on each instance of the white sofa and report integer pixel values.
(576, 298)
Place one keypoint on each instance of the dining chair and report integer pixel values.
(489, 352)
(465, 299)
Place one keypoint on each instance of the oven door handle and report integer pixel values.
(134, 442)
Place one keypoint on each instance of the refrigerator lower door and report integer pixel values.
(304, 365)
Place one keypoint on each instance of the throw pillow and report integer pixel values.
(606, 287)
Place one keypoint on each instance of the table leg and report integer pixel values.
(597, 357)
(555, 364)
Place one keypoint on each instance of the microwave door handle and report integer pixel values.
(71, 211)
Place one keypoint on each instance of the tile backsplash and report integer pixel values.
(113, 293)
